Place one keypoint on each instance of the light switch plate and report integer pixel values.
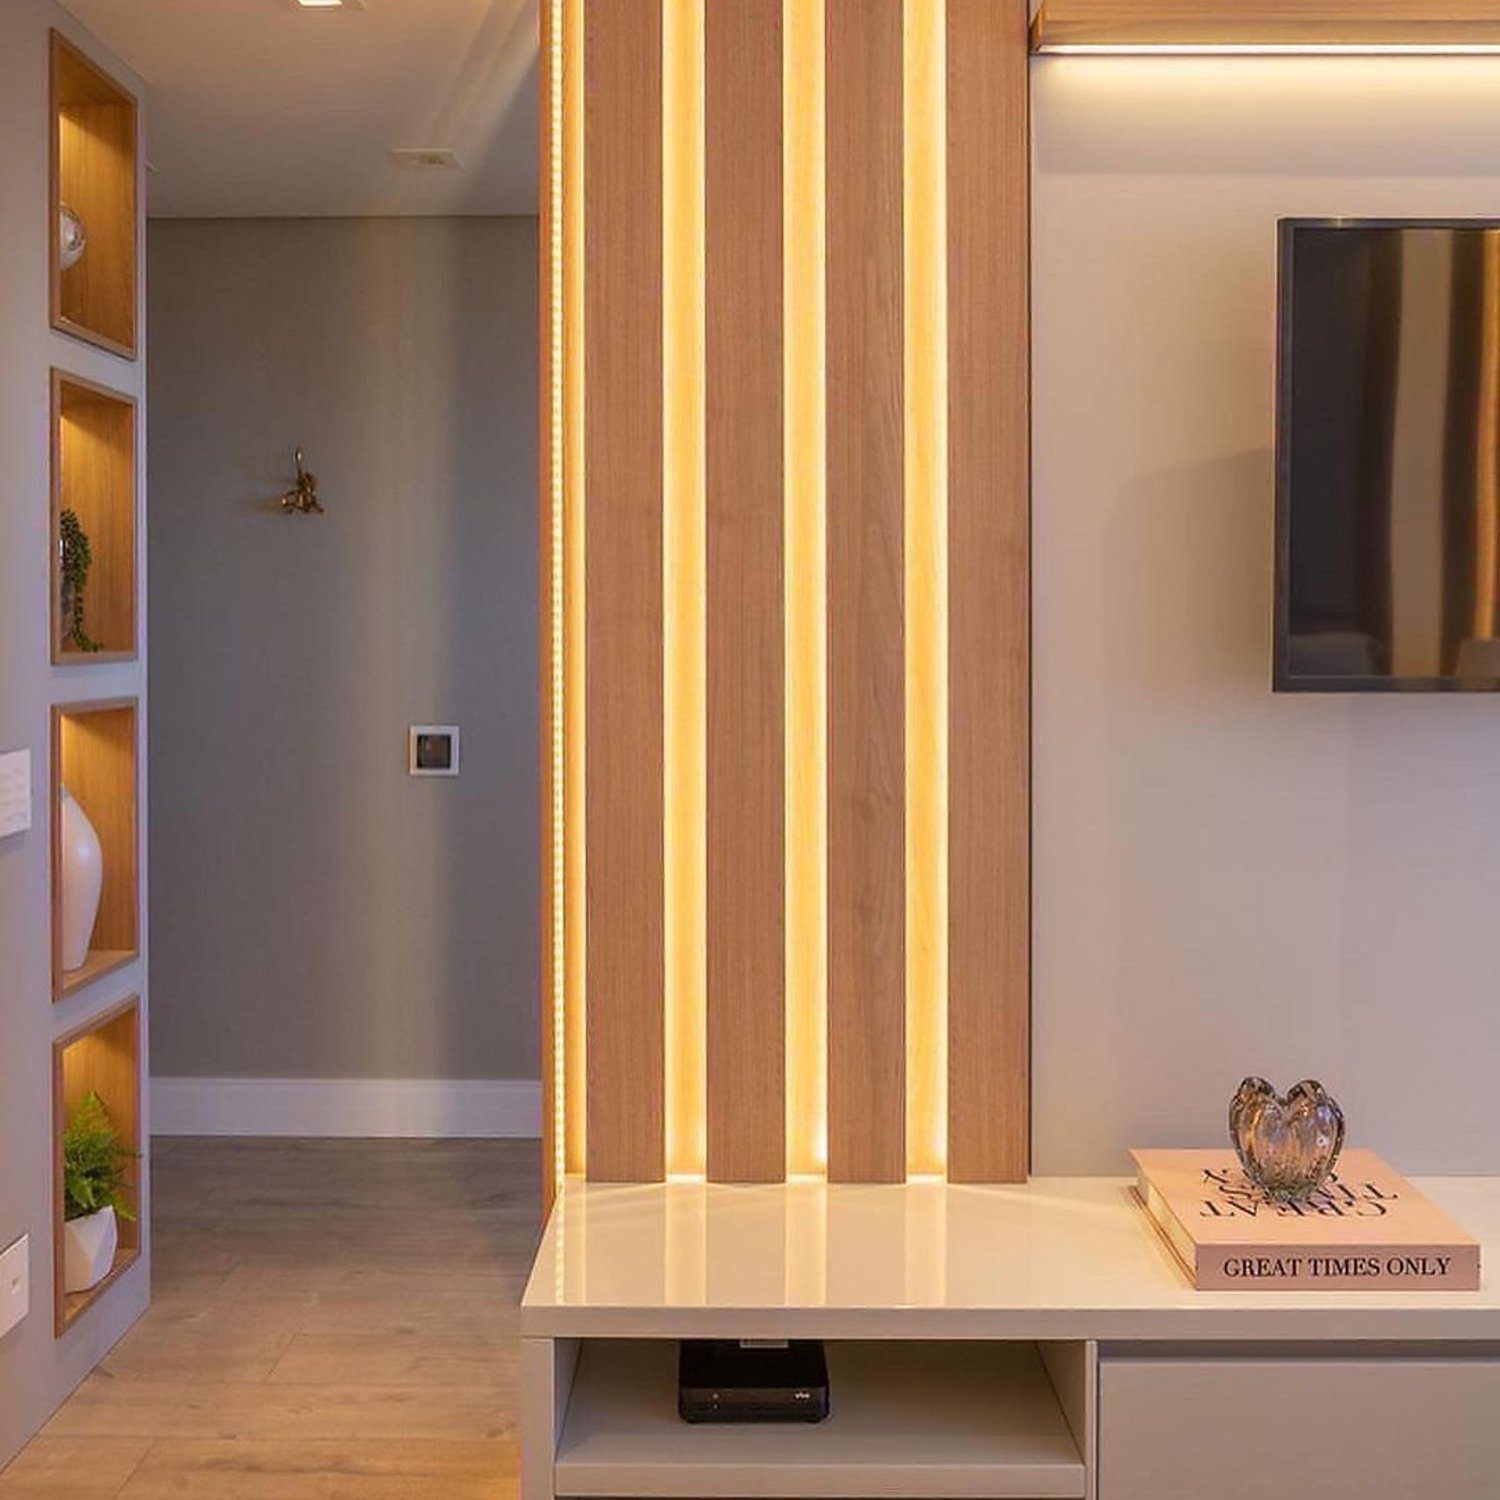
(15, 792)
(15, 1284)
(432, 750)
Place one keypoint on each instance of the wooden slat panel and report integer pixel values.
(623, 375)
(988, 593)
(1268, 23)
(866, 693)
(745, 633)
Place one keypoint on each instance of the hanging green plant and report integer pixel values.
(77, 559)
(95, 1163)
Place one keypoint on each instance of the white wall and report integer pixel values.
(1229, 881)
(322, 915)
(36, 1371)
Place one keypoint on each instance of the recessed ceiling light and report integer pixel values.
(330, 4)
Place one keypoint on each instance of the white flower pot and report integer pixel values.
(82, 872)
(89, 1246)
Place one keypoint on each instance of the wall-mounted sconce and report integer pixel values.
(302, 498)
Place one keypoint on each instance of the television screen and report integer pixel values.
(1388, 456)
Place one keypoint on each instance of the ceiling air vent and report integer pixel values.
(426, 158)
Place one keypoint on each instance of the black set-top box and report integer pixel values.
(752, 1380)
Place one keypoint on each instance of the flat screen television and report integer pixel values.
(1388, 456)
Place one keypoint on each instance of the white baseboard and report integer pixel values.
(414, 1107)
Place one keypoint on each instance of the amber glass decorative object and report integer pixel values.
(1287, 1145)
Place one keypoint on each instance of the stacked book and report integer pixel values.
(1367, 1229)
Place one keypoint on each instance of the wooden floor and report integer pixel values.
(330, 1319)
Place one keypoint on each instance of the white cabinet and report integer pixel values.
(1323, 1425)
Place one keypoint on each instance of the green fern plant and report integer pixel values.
(77, 559)
(95, 1163)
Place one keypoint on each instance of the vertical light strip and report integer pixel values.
(1486, 623)
(806, 588)
(555, 585)
(684, 565)
(924, 117)
(569, 99)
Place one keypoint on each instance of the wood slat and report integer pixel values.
(866, 667)
(623, 364)
(1267, 23)
(988, 593)
(745, 632)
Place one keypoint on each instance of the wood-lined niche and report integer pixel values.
(785, 335)
(95, 171)
(103, 1056)
(94, 755)
(94, 477)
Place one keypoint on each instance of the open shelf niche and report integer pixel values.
(94, 755)
(95, 171)
(94, 477)
(103, 1057)
(908, 1419)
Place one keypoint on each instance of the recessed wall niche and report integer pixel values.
(102, 1057)
(94, 178)
(94, 758)
(93, 508)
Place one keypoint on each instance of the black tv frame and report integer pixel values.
(1282, 680)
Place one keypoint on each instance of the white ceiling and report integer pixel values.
(259, 107)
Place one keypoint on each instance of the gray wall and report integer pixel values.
(1229, 881)
(36, 1371)
(320, 913)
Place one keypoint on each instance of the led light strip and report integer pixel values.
(556, 438)
(1267, 49)
(575, 719)
(684, 607)
(924, 129)
(804, 315)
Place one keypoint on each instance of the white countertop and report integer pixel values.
(1056, 1258)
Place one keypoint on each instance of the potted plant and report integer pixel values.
(77, 562)
(95, 1164)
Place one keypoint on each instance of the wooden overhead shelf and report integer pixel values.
(94, 755)
(95, 171)
(102, 1057)
(1266, 25)
(94, 476)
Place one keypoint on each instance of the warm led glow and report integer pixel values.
(569, 98)
(926, 554)
(804, 259)
(1267, 49)
(1486, 624)
(684, 566)
(555, 585)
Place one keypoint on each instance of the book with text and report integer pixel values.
(1367, 1229)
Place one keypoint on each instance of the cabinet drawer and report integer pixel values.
(1325, 1428)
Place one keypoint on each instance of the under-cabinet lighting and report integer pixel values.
(1267, 49)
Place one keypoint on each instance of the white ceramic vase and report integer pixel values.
(89, 1246)
(82, 871)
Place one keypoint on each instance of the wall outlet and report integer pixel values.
(15, 1284)
(15, 792)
